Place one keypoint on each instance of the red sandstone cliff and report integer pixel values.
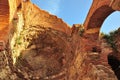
(35, 16)
(43, 47)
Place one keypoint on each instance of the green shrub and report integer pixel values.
(18, 40)
(81, 31)
(110, 38)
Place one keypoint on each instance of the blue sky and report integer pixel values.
(75, 12)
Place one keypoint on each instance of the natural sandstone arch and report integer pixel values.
(68, 49)
(98, 12)
(99, 16)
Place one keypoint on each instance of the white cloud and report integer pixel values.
(54, 6)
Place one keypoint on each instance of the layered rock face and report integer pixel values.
(116, 4)
(98, 12)
(4, 22)
(34, 16)
(47, 53)
(43, 47)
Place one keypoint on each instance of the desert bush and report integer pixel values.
(110, 38)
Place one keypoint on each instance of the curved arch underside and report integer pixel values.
(98, 12)
(99, 16)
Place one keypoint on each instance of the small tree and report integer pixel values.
(110, 38)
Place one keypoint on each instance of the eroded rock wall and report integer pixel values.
(43, 47)
(99, 11)
(35, 16)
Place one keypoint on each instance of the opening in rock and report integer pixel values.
(110, 24)
(115, 65)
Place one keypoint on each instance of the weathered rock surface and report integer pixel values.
(115, 4)
(117, 40)
(48, 53)
(99, 11)
(35, 16)
(43, 47)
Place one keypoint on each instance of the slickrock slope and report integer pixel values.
(35, 16)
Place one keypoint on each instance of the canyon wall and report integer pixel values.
(41, 46)
(35, 16)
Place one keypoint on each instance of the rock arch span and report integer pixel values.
(98, 12)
